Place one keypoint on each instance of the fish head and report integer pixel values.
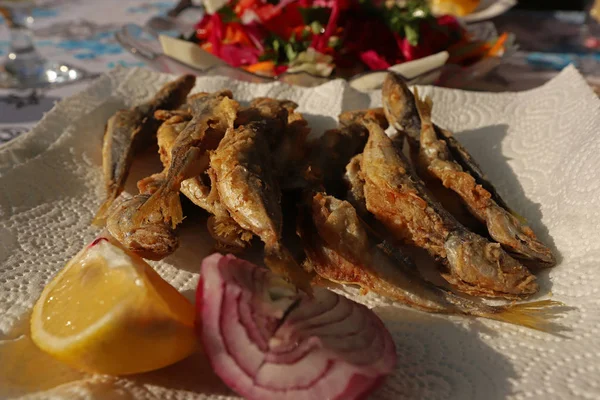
(339, 226)
(517, 237)
(480, 267)
(400, 107)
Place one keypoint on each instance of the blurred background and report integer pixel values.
(50, 49)
(551, 5)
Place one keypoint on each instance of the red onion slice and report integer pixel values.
(268, 341)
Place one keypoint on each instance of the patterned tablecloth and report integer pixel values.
(77, 32)
(81, 33)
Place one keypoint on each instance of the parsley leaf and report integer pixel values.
(412, 34)
(281, 51)
(407, 19)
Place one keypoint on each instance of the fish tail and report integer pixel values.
(174, 209)
(101, 215)
(424, 106)
(281, 262)
(168, 204)
(151, 205)
(536, 315)
(518, 216)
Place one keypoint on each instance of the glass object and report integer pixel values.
(25, 67)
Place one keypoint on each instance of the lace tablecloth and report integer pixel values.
(78, 32)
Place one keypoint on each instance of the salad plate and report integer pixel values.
(539, 147)
(173, 46)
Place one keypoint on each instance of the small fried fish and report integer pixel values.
(201, 189)
(128, 130)
(212, 115)
(340, 250)
(399, 106)
(153, 239)
(458, 172)
(515, 236)
(244, 178)
(399, 200)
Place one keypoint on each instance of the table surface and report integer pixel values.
(81, 33)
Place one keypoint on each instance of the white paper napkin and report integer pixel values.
(541, 148)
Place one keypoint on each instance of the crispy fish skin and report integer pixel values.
(128, 130)
(247, 188)
(153, 240)
(353, 119)
(193, 188)
(445, 159)
(356, 185)
(515, 236)
(462, 157)
(212, 115)
(287, 131)
(398, 199)
(228, 234)
(329, 154)
(245, 182)
(399, 106)
(340, 250)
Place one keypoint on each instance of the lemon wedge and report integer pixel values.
(109, 312)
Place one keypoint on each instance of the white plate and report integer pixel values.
(489, 9)
(540, 147)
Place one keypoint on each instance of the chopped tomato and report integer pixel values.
(235, 34)
(281, 23)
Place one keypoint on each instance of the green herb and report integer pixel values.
(277, 43)
(334, 42)
(227, 14)
(316, 28)
(412, 34)
(281, 51)
(305, 33)
(290, 52)
(405, 20)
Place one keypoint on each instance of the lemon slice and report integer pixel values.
(109, 312)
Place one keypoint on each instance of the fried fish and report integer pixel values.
(341, 250)
(242, 164)
(399, 200)
(212, 115)
(442, 158)
(201, 189)
(128, 130)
